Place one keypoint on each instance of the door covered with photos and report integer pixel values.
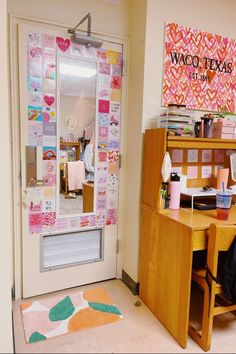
(70, 117)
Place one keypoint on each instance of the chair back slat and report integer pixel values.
(219, 239)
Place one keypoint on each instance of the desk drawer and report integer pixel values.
(200, 240)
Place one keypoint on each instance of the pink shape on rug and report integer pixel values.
(78, 299)
(38, 322)
(51, 302)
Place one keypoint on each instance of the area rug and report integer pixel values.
(68, 313)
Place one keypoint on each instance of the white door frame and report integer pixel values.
(15, 114)
(6, 228)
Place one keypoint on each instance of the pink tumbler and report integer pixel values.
(174, 191)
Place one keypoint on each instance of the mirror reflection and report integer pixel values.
(77, 104)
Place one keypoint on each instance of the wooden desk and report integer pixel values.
(88, 193)
(168, 240)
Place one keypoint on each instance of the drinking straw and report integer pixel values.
(223, 187)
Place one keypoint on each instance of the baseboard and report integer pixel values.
(130, 283)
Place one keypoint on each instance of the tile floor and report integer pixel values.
(139, 332)
(71, 206)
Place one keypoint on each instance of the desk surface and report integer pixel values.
(198, 219)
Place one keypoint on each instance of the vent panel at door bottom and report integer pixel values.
(63, 250)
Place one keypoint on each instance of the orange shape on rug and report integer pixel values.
(88, 318)
(97, 295)
(25, 306)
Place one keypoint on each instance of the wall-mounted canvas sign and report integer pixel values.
(199, 69)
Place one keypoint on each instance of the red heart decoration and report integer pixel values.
(200, 99)
(175, 32)
(230, 105)
(222, 54)
(49, 100)
(169, 47)
(179, 98)
(176, 72)
(63, 44)
(209, 40)
(211, 75)
(196, 39)
(183, 85)
(211, 94)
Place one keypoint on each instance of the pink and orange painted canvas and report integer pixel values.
(199, 69)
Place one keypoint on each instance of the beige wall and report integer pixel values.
(145, 90)
(134, 136)
(5, 193)
(107, 17)
(211, 16)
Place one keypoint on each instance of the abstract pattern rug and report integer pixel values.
(68, 313)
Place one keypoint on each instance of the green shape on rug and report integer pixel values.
(104, 308)
(61, 311)
(36, 337)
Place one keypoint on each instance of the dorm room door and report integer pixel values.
(61, 250)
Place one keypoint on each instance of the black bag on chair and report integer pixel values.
(228, 280)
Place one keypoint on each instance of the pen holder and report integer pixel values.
(206, 130)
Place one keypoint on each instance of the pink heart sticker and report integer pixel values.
(63, 44)
(49, 100)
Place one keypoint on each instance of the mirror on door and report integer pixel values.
(77, 81)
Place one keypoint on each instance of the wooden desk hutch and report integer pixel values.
(169, 237)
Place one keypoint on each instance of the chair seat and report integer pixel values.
(201, 273)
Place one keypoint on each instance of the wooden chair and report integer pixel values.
(219, 239)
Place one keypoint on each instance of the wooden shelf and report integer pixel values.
(199, 143)
(75, 144)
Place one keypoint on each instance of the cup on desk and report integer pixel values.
(223, 204)
(222, 176)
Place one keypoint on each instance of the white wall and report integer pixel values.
(107, 17)
(5, 193)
